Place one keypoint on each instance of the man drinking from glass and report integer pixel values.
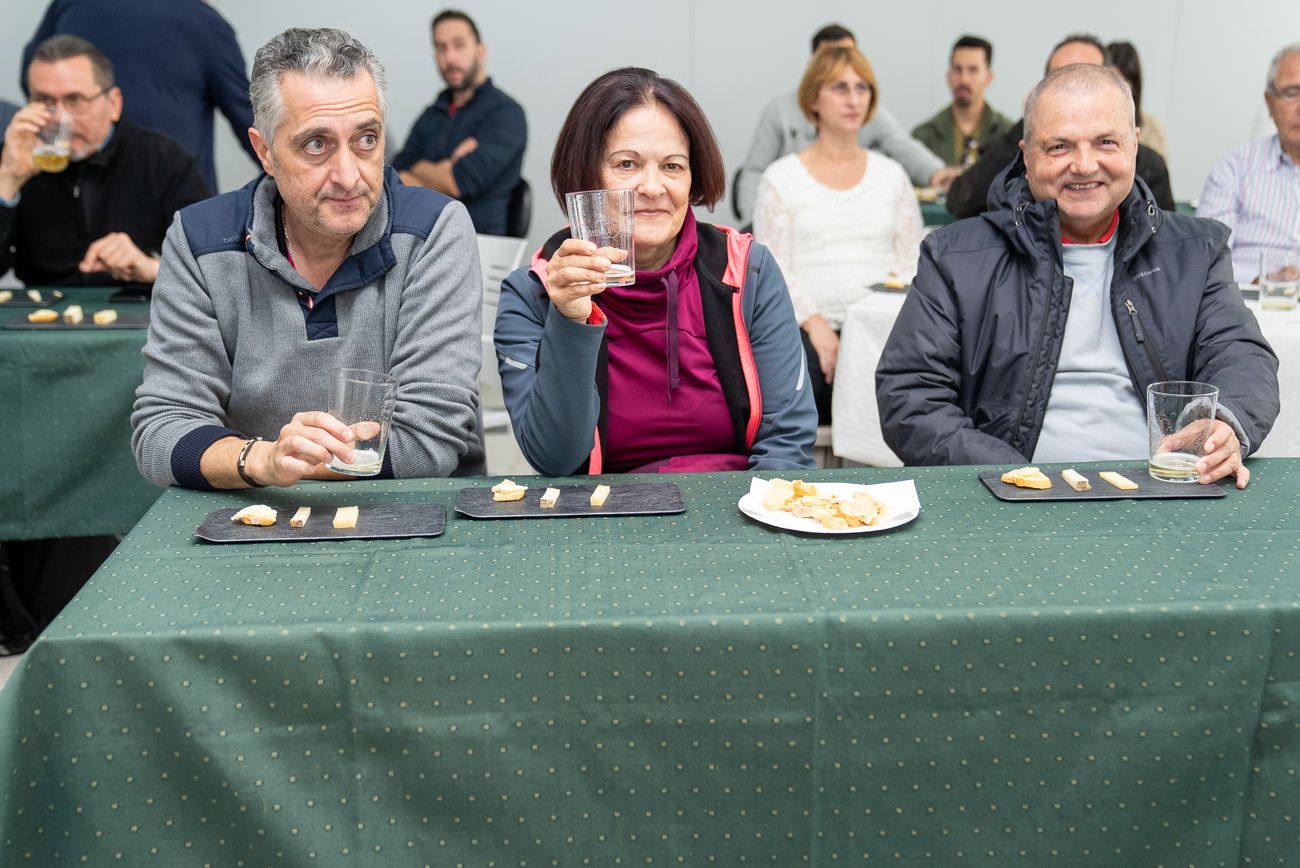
(99, 215)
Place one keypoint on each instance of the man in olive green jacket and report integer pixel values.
(957, 133)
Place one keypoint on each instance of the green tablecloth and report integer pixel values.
(935, 214)
(68, 396)
(1077, 684)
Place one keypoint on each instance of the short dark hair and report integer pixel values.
(455, 15)
(832, 33)
(580, 145)
(65, 46)
(968, 41)
(1085, 38)
(1124, 57)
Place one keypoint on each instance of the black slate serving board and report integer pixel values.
(1147, 487)
(380, 521)
(644, 498)
(20, 299)
(123, 321)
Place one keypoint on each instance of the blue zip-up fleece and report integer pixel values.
(239, 342)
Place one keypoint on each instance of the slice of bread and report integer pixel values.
(1027, 477)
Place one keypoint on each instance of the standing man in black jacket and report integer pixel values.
(178, 60)
(969, 194)
(1033, 331)
(102, 219)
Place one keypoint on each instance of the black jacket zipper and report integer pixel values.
(1142, 339)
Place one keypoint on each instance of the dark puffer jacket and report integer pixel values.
(968, 368)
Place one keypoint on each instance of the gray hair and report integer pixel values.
(1078, 78)
(65, 46)
(1271, 84)
(317, 52)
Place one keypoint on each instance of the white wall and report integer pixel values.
(1204, 61)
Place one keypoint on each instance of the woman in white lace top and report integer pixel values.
(837, 217)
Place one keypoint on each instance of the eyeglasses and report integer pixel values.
(73, 103)
(1287, 94)
(842, 88)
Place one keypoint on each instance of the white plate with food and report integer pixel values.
(895, 504)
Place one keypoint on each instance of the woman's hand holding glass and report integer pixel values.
(576, 273)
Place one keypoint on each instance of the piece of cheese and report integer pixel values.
(347, 516)
(507, 489)
(105, 317)
(6, 295)
(598, 496)
(1120, 482)
(300, 517)
(549, 497)
(259, 514)
(73, 315)
(43, 315)
(1076, 480)
(35, 295)
(1027, 477)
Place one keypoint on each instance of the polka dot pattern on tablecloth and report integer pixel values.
(992, 684)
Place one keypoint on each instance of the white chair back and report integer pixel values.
(498, 256)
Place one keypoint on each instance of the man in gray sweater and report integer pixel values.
(324, 262)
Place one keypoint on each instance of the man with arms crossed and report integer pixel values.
(958, 132)
(470, 143)
(1255, 190)
(783, 129)
(326, 261)
(1032, 332)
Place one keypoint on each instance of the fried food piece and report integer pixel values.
(508, 490)
(1027, 477)
(1123, 483)
(108, 316)
(260, 515)
(549, 497)
(300, 517)
(801, 500)
(43, 315)
(346, 517)
(1076, 480)
(599, 495)
(779, 493)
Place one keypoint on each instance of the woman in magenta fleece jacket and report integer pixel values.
(698, 365)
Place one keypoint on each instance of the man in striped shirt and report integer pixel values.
(1255, 190)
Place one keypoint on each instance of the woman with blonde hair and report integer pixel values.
(836, 217)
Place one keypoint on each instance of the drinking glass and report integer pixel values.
(54, 143)
(363, 400)
(606, 218)
(1279, 279)
(1180, 414)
